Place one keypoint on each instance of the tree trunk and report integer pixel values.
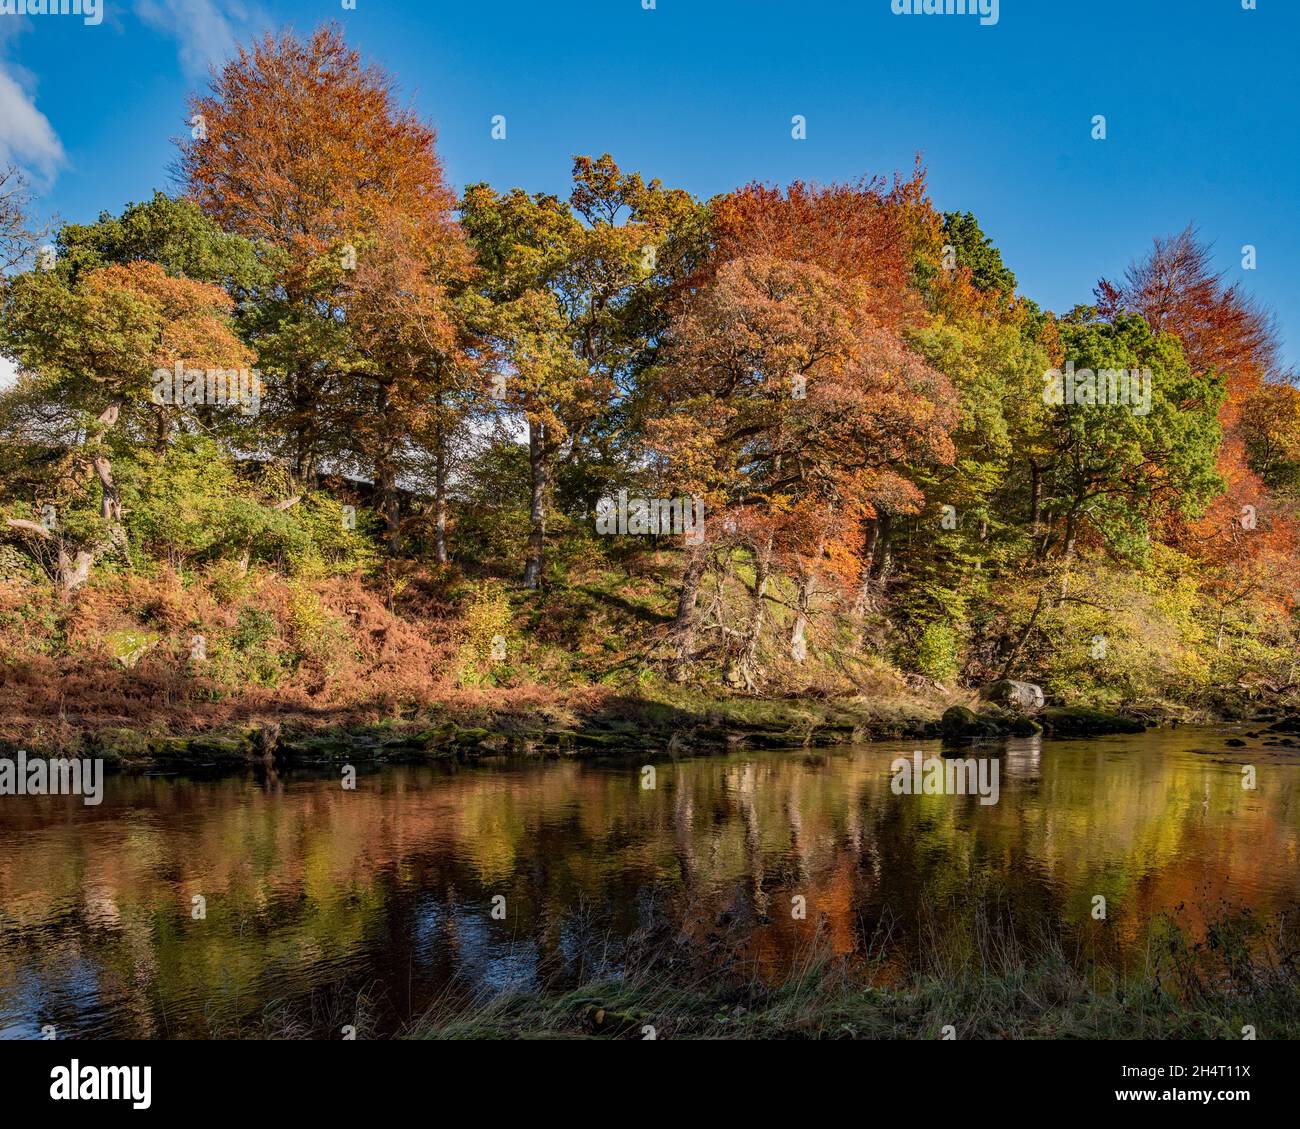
(110, 504)
(1024, 635)
(440, 498)
(386, 472)
(685, 622)
(74, 571)
(305, 393)
(799, 633)
(538, 471)
(162, 431)
(863, 601)
(1067, 556)
(881, 558)
(803, 601)
(743, 670)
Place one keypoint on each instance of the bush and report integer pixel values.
(485, 635)
(937, 652)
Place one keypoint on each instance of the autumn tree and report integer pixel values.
(1176, 290)
(1269, 428)
(304, 149)
(864, 232)
(782, 397)
(93, 345)
(871, 232)
(569, 286)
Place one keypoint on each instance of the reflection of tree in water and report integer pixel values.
(385, 892)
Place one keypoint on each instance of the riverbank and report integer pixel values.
(403, 667)
(688, 723)
(981, 985)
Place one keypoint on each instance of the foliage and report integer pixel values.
(845, 382)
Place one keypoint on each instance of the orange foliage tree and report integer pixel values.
(787, 409)
(303, 148)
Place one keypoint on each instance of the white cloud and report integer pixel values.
(205, 31)
(26, 136)
(8, 372)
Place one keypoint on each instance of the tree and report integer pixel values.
(1224, 333)
(93, 345)
(172, 233)
(1222, 330)
(975, 253)
(1270, 429)
(1116, 468)
(570, 287)
(17, 238)
(783, 400)
(412, 358)
(861, 232)
(303, 148)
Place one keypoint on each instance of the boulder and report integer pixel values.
(1009, 694)
(1077, 721)
(1286, 725)
(958, 722)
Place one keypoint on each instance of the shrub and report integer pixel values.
(937, 651)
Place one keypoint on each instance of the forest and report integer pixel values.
(311, 435)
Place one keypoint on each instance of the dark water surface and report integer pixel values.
(317, 896)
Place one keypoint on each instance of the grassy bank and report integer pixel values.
(224, 665)
(692, 723)
(984, 986)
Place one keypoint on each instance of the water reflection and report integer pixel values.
(315, 895)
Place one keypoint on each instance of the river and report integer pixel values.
(284, 902)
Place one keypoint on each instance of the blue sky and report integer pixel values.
(1198, 94)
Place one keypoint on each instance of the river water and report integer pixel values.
(285, 903)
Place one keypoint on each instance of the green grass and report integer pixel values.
(981, 981)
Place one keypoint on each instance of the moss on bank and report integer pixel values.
(690, 723)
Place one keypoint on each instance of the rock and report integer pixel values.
(119, 745)
(960, 722)
(1009, 694)
(1018, 725)
(956, 720)
(129, 647)
(1286, 725)
(202, 749)
(1077, 721)
(437, 736)
(1235, 743)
